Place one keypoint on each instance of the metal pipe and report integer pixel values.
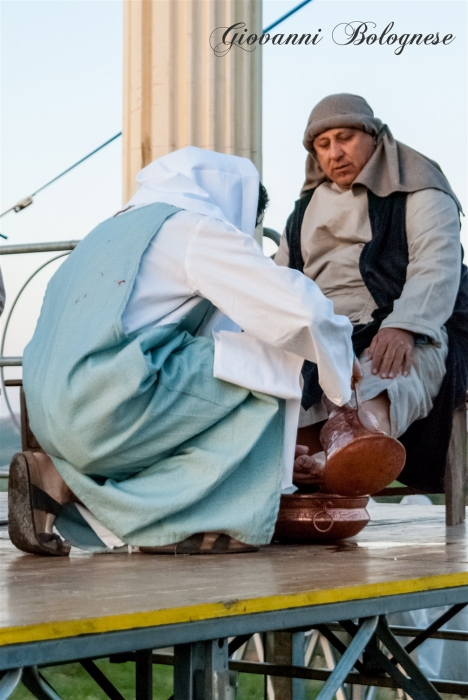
(7, 322)
(399, 631)
(38, 247)
(434, 627)
(11, 361)
(272, 235)
(448, 635)
(283, 671)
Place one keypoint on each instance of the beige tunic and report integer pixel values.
(335, 228)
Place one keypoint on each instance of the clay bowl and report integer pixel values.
(316, 517)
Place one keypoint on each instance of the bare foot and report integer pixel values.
(308, 467)
(52, 482)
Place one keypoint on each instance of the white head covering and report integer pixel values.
(221, 186)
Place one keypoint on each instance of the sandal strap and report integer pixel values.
(41, 500)
(221, 544)
(50, 537)
(191, 545)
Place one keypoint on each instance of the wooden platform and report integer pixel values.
(405, 550)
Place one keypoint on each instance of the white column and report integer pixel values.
(178, 93)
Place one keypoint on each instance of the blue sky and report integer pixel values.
(61, 97)
(421, 94)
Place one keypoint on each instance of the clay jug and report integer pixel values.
(360, 458)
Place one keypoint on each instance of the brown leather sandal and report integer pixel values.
(203, 543)
(31, 511)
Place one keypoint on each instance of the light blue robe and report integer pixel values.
(144, 435)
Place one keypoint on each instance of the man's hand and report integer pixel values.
(391, 352)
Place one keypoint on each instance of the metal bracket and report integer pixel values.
(434, 627)
(422, 688)
(415, 683)
(349, 658)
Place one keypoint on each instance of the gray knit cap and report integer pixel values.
(340, 110)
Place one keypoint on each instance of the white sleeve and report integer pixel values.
(433, 273)
(274, 304)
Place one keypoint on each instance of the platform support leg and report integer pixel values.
(456, 471)
(8, 682)
(286, 648)
(201, 671)
(37, 685)
(143, 675)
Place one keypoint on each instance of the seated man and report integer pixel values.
(377, 228)
(160, 436)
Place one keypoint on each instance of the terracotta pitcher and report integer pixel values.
(360, 458)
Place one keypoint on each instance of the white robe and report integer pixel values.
(208, 251)
(285, 317)
(193, 257)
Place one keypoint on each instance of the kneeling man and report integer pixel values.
(159, 434)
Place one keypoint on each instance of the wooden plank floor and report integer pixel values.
(404, 549)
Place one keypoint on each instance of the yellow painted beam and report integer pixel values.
(231, 608)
